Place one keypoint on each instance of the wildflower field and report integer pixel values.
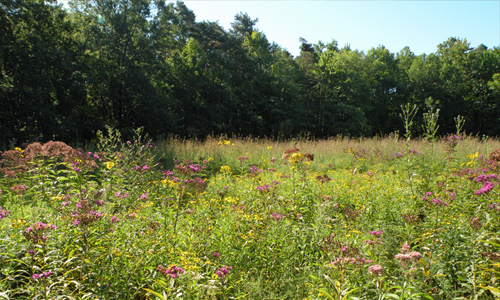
(381, 218)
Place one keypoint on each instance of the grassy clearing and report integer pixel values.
(251, 219)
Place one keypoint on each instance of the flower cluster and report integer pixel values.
(492, 206)
(436, 201)
(376, 270)
(485, 189)
(294, 156)
(276, 216)
(222, 272)
(74, 166)
(189, 169)
(138, 168)
(85, 213)
(196, 184)
(264, 189)
(36, 233)
(44, 274)
(377, 234)
(4, 213)
(173, 271)
(475, 224)
(406, 256)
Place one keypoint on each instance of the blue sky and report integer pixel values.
(421, 25)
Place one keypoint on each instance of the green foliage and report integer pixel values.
(65, 74)
(250, 219)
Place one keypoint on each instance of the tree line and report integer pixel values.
(66, 73)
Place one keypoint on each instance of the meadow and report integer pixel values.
(243, 218)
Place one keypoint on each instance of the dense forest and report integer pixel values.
(66, 73)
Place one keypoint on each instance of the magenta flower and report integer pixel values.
(487, 187)
(4, 213)
(216, 254)
(222, 272)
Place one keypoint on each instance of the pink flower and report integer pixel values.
(415, 255)
(376, 270)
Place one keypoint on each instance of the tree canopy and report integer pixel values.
(66, 73)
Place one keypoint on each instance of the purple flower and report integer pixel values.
(4, 213)
(36, 276)
(144, 196)
(216, 254)
(114, 219)
(487, 187)
(376, 233)
(222, 272)
(145, 167)
(47, 274)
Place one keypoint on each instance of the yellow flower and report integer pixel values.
(225, 169)
(269, 147)
(473, 155)
(224, 143)
(109, 165)
(19, 149)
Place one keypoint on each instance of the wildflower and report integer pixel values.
(110, 165)
(4, 213)
(114, 219)
(222, 272)
(36, 276)
(225, 169)
(145, 167)
(20, 188)
(403, 257)
(487, 187)
(47, 274)
(492, 206)
(376, 233)
(439, 202)
(376, 270)
(276, 216)
(173, 272)
(475, 224)
(415, 255)
(216, 254)
(264, 189)
(405, 248)
(144, 196)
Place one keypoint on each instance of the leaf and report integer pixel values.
(326, 293)
(427, 272)
(154, 293)
(493, 290)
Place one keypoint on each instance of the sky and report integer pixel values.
(420, 25)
